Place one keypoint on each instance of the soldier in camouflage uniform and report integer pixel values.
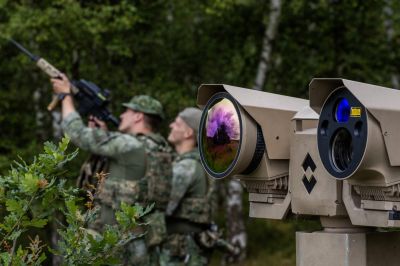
(127, 151)
(188, 211)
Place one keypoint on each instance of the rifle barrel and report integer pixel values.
(33, 57)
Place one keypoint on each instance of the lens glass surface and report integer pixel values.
(342, 149)
(342, 112)
(220, 135)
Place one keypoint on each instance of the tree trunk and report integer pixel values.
(236, 230)
(58, 134)
(56, 123)
(269, 37)
(39, 115)
(388, 23)
(37, 95)
(54, 236)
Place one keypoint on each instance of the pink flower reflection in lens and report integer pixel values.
(223, 122)
(221, 136)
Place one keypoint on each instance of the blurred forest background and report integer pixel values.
(168, 48)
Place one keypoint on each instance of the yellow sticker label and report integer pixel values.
(355, 112)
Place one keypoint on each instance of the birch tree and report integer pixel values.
(268, 40)
(236, 228)
(388, 23)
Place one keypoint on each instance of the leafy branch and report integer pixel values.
(32, 193)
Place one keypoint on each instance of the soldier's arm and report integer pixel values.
(184, 174)
(62, 85)
(96, 140)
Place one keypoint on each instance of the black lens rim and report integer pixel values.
(258, 152)
(328, 126)
(203, 120)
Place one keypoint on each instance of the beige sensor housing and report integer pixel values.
(359, 142)
(245, 134)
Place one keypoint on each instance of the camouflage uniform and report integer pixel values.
(189, 209)
(157, 187)
(125, 152)
(188, 213)
(127, 158)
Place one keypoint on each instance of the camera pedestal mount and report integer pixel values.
(342, 244)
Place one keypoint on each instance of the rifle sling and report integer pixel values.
(180, 226)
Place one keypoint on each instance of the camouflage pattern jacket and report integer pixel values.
(126, 152)
(188, 198)
(127, 161)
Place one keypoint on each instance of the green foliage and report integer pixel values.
(83, 246)
(129, 215)
(162, 48)
(33, 193)
(26, 192)
(168, 48)
(32, 255)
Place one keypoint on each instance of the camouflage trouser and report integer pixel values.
(180, 249)
(135, 253)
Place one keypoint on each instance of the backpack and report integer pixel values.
(155, 185)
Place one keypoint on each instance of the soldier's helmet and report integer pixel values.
(145, 104)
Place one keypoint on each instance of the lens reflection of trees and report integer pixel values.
(220, 150)
(221, 137)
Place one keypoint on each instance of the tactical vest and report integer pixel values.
(196, 210)
(153, 187)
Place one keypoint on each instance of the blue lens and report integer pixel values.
(342, 112)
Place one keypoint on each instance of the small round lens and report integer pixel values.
(342, 149)
(342, 110)
(324, 128)
(220, 135)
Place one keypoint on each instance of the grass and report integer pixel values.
(271, 242)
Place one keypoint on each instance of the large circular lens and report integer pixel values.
(342, 149)
(342, 110)
(220, 135)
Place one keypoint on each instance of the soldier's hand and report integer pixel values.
(61, 84)
(94, 122)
